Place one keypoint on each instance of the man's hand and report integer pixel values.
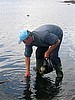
(46, 55)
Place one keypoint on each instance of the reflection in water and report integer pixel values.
(45, 89)
(17, 87)
(27, 92)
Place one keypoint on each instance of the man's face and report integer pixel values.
(28, 40)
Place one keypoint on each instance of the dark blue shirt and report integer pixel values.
(44, 36)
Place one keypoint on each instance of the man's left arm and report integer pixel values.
(51, 48)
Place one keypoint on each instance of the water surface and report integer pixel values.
(29, 14)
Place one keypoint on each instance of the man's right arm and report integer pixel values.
(27, 62)
(27, 53)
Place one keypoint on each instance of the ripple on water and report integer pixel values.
(22, 88)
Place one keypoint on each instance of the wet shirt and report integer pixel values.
(44, 36)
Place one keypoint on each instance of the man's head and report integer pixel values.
(25, 37)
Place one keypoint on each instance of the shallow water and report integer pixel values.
(19, 14)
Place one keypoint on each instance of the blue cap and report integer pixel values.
(23, 35)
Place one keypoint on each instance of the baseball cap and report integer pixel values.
(23, 35)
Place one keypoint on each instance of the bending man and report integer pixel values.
(47, 38)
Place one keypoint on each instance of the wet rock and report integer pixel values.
(71, 1)
(27, 15)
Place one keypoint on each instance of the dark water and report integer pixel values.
(13, 18)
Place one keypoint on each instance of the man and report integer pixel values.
(47, 38)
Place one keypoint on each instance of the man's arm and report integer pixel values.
(27, 62)
(51, 48)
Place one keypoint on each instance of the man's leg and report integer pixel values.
(57, 64)
(40, 56)
(56, 61)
